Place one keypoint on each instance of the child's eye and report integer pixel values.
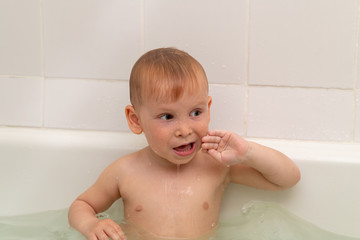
(195, 113)
(166, 116)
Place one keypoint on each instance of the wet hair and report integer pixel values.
(164, 74)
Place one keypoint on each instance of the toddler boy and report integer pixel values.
(173, 187)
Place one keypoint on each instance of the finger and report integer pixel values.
(92, 237)
(220, 133)
(220, 137)
(120, 232)
(207, 146)
(211, 139)
(115, 233)
(215, 154)
(102, 236)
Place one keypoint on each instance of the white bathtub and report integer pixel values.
(46, 169)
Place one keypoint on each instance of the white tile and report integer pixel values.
(21, 102)
(357, 80)
(357, 117)
(20, 43)
(228, 107)
(295, 113)
(98, 39)
(303, 43)
(86, 104)
(212, 31)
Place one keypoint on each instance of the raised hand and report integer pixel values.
(226, 147)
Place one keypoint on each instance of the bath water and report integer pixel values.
(257, 221)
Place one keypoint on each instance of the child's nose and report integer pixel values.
(183, 130)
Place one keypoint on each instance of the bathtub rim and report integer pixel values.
(296, 149)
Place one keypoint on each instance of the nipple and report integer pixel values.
(205, 205)
(138, 208)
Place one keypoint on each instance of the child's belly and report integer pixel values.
(136, 232)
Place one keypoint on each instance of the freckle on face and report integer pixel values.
(205, 205)
(138, 208)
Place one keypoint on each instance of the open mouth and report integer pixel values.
(185, 149)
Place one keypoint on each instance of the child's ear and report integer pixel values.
(133, 119)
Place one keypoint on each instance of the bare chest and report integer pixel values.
(182, 204)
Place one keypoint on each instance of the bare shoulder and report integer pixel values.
(125, 163)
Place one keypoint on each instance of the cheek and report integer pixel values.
(157, 138)
(204, 132)
(158, 142)
(203, 128)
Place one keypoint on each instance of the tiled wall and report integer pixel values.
(278, 68)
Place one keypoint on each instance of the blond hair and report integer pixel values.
(165, 74)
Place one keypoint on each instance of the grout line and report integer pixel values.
(143, 26)
(42, 63)
(212, 83)
(356, 55)
(356, 114)
(300, 87)
(245, 84)
(42, 39)
(90, 80)
(356, 72)
(20, 76)
(246, 99)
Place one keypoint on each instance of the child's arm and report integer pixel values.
(96, 199)
(250, 163)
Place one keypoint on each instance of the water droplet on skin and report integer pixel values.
(213, 224)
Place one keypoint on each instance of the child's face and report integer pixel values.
(174, 130)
